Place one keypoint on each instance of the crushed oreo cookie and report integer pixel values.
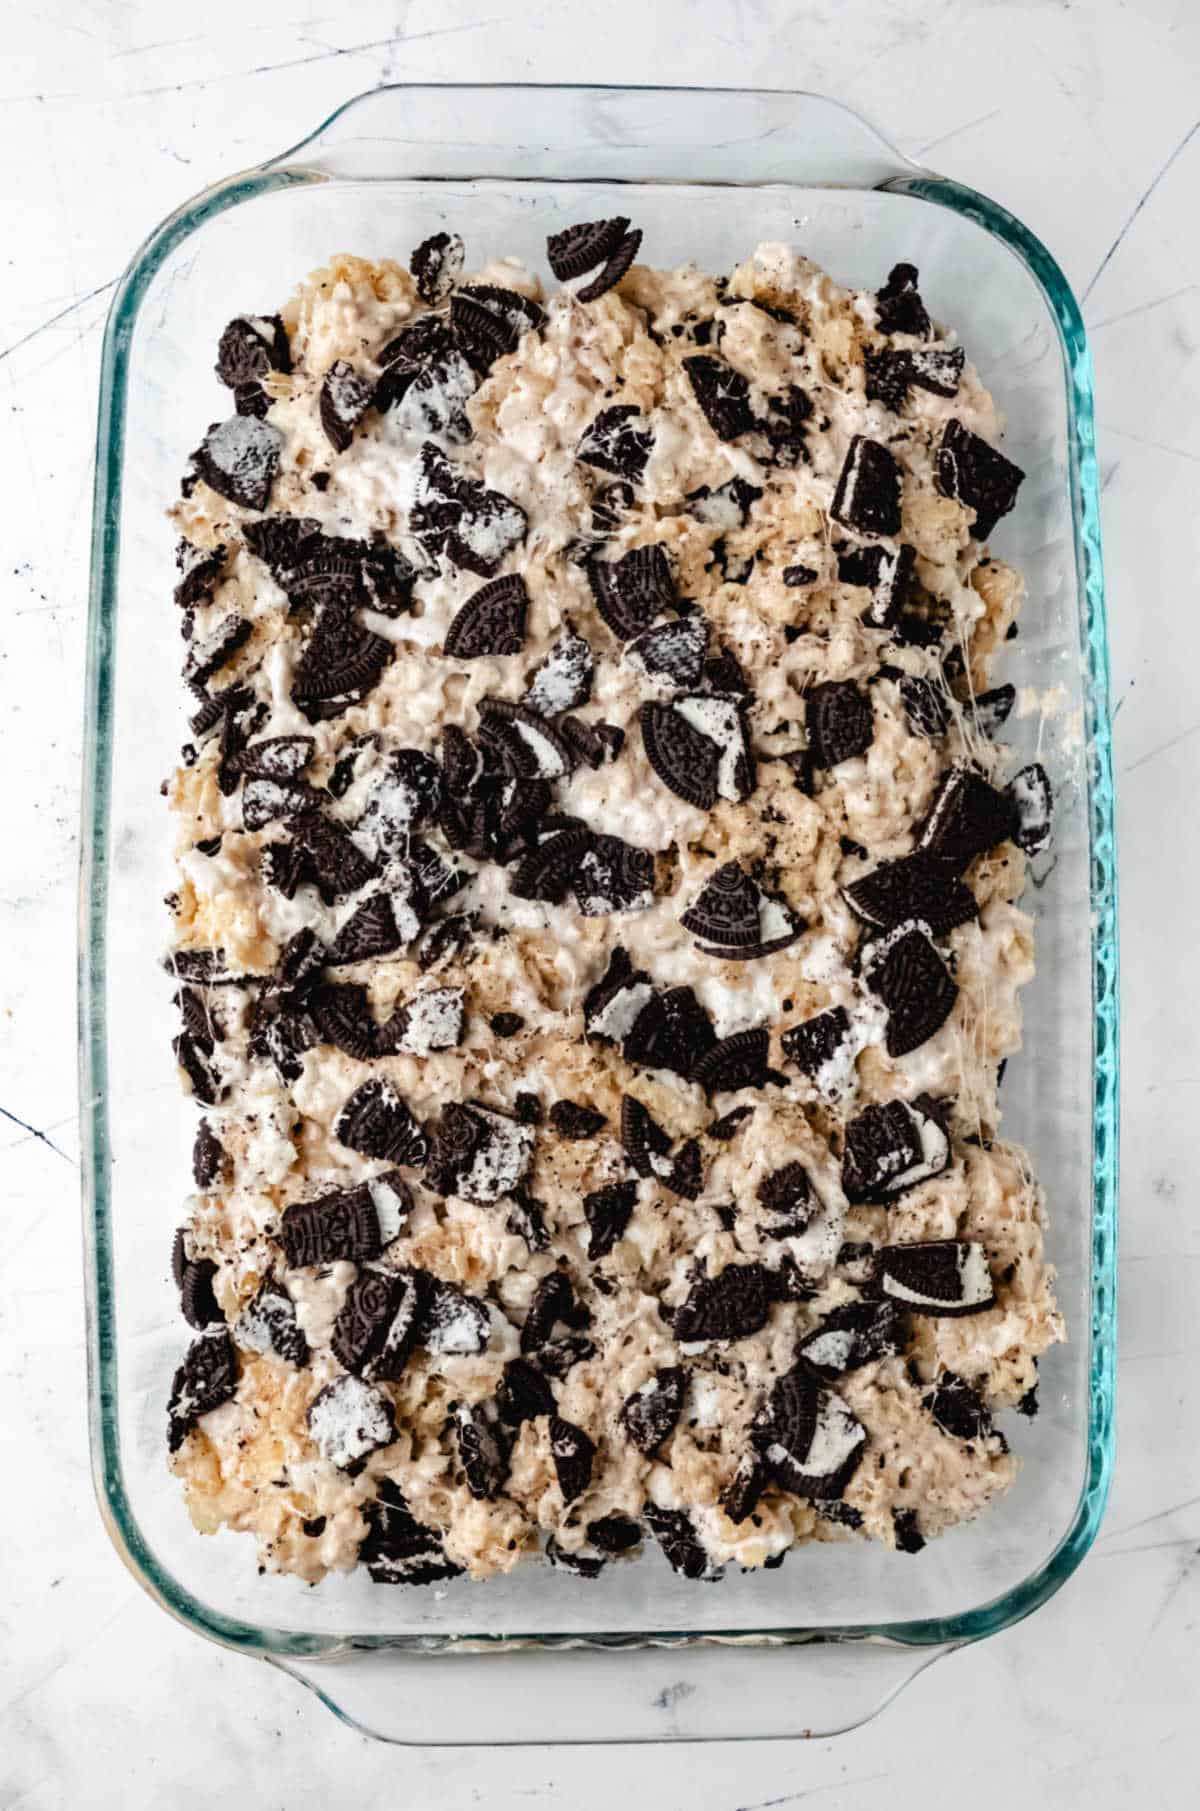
(397, 1549)
(840, 722)
(958, 1409)
(630, 593)
(723, 395)
(673, 651)
(809, 1440)
(572, 1120)
(734, 919)
(563, 681)
(736, 1061)
(699, 747)
(1033, 803)
(207, 1377)
(377, 1123)
(344, 399)
(923, 888)
(890, 1147)
(967, 817)
(618, 440)
(676, 1534)
(457, 516)
(867, 498)
(608, 1211)
(732, 1305)
(898, 305)
(349, 1420)
(853, 1335)
(268, 1325)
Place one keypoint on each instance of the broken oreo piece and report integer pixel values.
(553, 1301)
(736, 1061)
(891, 1147)
(734, 919)
(699, 748)
(455, 515)
(477, 1153)
(365, 1318)
(523, 1393)
(377, 1123)
(631, 592)
(732, 1305)
(573, 1121)
(646, 1144)
(671, 1031)
(740, 1496)
(573, 1453)
(481, 1450)
(199, 569)
(887, 571)
(613, 1005)
(268, 1324)
(207, 1377)
(608, 1211)
(993, 709)
(196, 1297)
(856, 1334)
(723, 395)
(819, 1047)
(208, 1156)
(618, 440)
(614, 268)
(614, 1533)
(612, 876)
(491, 622)
(348, 1420)
(958, 1409)
(399, 1550)
(437, 265)
(1033, 802)
(563, 681)
(898, 305)
(867, 498)
(650, 1413)
(975, 474)
(672, 650)
(676, 1534)
(789, 1201)
(578, 249)
(923, 888)
(341, 1225)
(250, 346)
(344, 399)
(809, 1439)
(840, 722)
(967, 817)
(925, 706)
(939, 1277)
(909, 976)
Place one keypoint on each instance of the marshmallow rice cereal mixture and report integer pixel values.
(597, 930)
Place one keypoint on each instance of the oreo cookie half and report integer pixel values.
(341, 664)
(734, 919)
(939, 1277)
(736, 1061)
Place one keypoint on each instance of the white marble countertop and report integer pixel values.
(1085, 120)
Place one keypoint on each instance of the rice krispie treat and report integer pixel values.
(597, 929)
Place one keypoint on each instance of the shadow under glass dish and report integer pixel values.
(707, 175)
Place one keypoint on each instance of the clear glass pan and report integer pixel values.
(821, 1643)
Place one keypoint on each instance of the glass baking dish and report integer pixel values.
(822, 1643)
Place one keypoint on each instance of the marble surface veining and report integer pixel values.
(1085, 120)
